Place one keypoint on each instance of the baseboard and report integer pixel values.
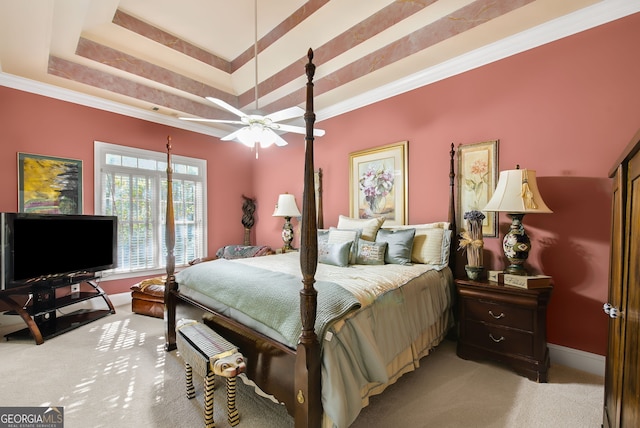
(577, 359)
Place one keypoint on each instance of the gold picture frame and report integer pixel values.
(378, 183)
(49, 185)
(477, 178)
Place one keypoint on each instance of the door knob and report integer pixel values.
(611, 310)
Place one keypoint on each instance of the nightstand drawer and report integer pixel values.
(498, 314)
(498, 339)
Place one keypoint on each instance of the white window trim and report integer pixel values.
(99, 149)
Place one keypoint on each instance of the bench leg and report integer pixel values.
(232, 412)
(208, 400)
(191, 392)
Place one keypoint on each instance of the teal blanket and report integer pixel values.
(271, 298)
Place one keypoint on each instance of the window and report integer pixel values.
(132, 184)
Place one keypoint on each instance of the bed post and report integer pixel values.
(170, 282)
(452, 210)
(308, 411)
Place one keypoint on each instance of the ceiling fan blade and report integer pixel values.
(226, 106)
(199, 119)
(288, 113)
(279, 140)
(298, 129)
(231, 136)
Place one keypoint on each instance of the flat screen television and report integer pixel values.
(49, 249)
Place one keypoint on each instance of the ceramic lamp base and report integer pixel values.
(516, 246)
(287, 234)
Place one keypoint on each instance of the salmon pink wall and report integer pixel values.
(565, 109)
(44, 126)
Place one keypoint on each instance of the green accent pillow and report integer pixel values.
(400, 245)
(335, 254)
(371, 253)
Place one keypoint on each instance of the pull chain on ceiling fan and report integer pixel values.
(258, 129)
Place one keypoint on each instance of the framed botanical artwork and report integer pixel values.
(49, 185)
(477, 178)
(378, 183)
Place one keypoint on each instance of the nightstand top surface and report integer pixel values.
(499, 287)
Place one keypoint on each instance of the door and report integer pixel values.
(630, 412)
(613, 379)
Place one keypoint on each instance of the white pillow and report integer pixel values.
(369, 226)
(431, 243)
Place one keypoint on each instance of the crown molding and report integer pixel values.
(63, 94)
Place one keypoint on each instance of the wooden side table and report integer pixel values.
(505, 324)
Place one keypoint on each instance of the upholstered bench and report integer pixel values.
(147, 297)
(207, 353)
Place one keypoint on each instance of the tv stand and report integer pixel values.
(41, 316)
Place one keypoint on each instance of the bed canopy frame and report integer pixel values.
(292, 376)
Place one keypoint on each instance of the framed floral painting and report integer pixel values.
(378, 183)
(477, 178)
(49, 185)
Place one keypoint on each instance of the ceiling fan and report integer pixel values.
(258, 129)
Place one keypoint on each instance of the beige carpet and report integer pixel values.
(115, 373)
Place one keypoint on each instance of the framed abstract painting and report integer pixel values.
(378, 183)
(49, 185)
(477, 178)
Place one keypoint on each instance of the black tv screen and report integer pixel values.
(43, 248)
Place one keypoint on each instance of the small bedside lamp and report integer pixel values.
(517, 194)
(287, 208)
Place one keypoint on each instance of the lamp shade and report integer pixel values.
(286, 206)
(517, 192)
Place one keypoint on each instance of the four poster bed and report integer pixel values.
(349, 332)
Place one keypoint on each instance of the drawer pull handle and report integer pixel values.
(496, 316)
(496, 340)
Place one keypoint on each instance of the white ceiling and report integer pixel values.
(156, 60)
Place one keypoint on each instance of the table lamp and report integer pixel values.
(287, 208)
(517, 194)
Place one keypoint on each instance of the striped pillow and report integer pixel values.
(369, 227)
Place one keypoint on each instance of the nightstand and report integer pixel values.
(505, 324)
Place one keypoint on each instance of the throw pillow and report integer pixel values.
(400, 244)
(368, 226)
(335, 254)
(339, 235)
(371, 253)
(431, 243)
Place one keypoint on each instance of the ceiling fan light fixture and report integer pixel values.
(267, 138)
(246, 136)
(256, 128)
(255, 134)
